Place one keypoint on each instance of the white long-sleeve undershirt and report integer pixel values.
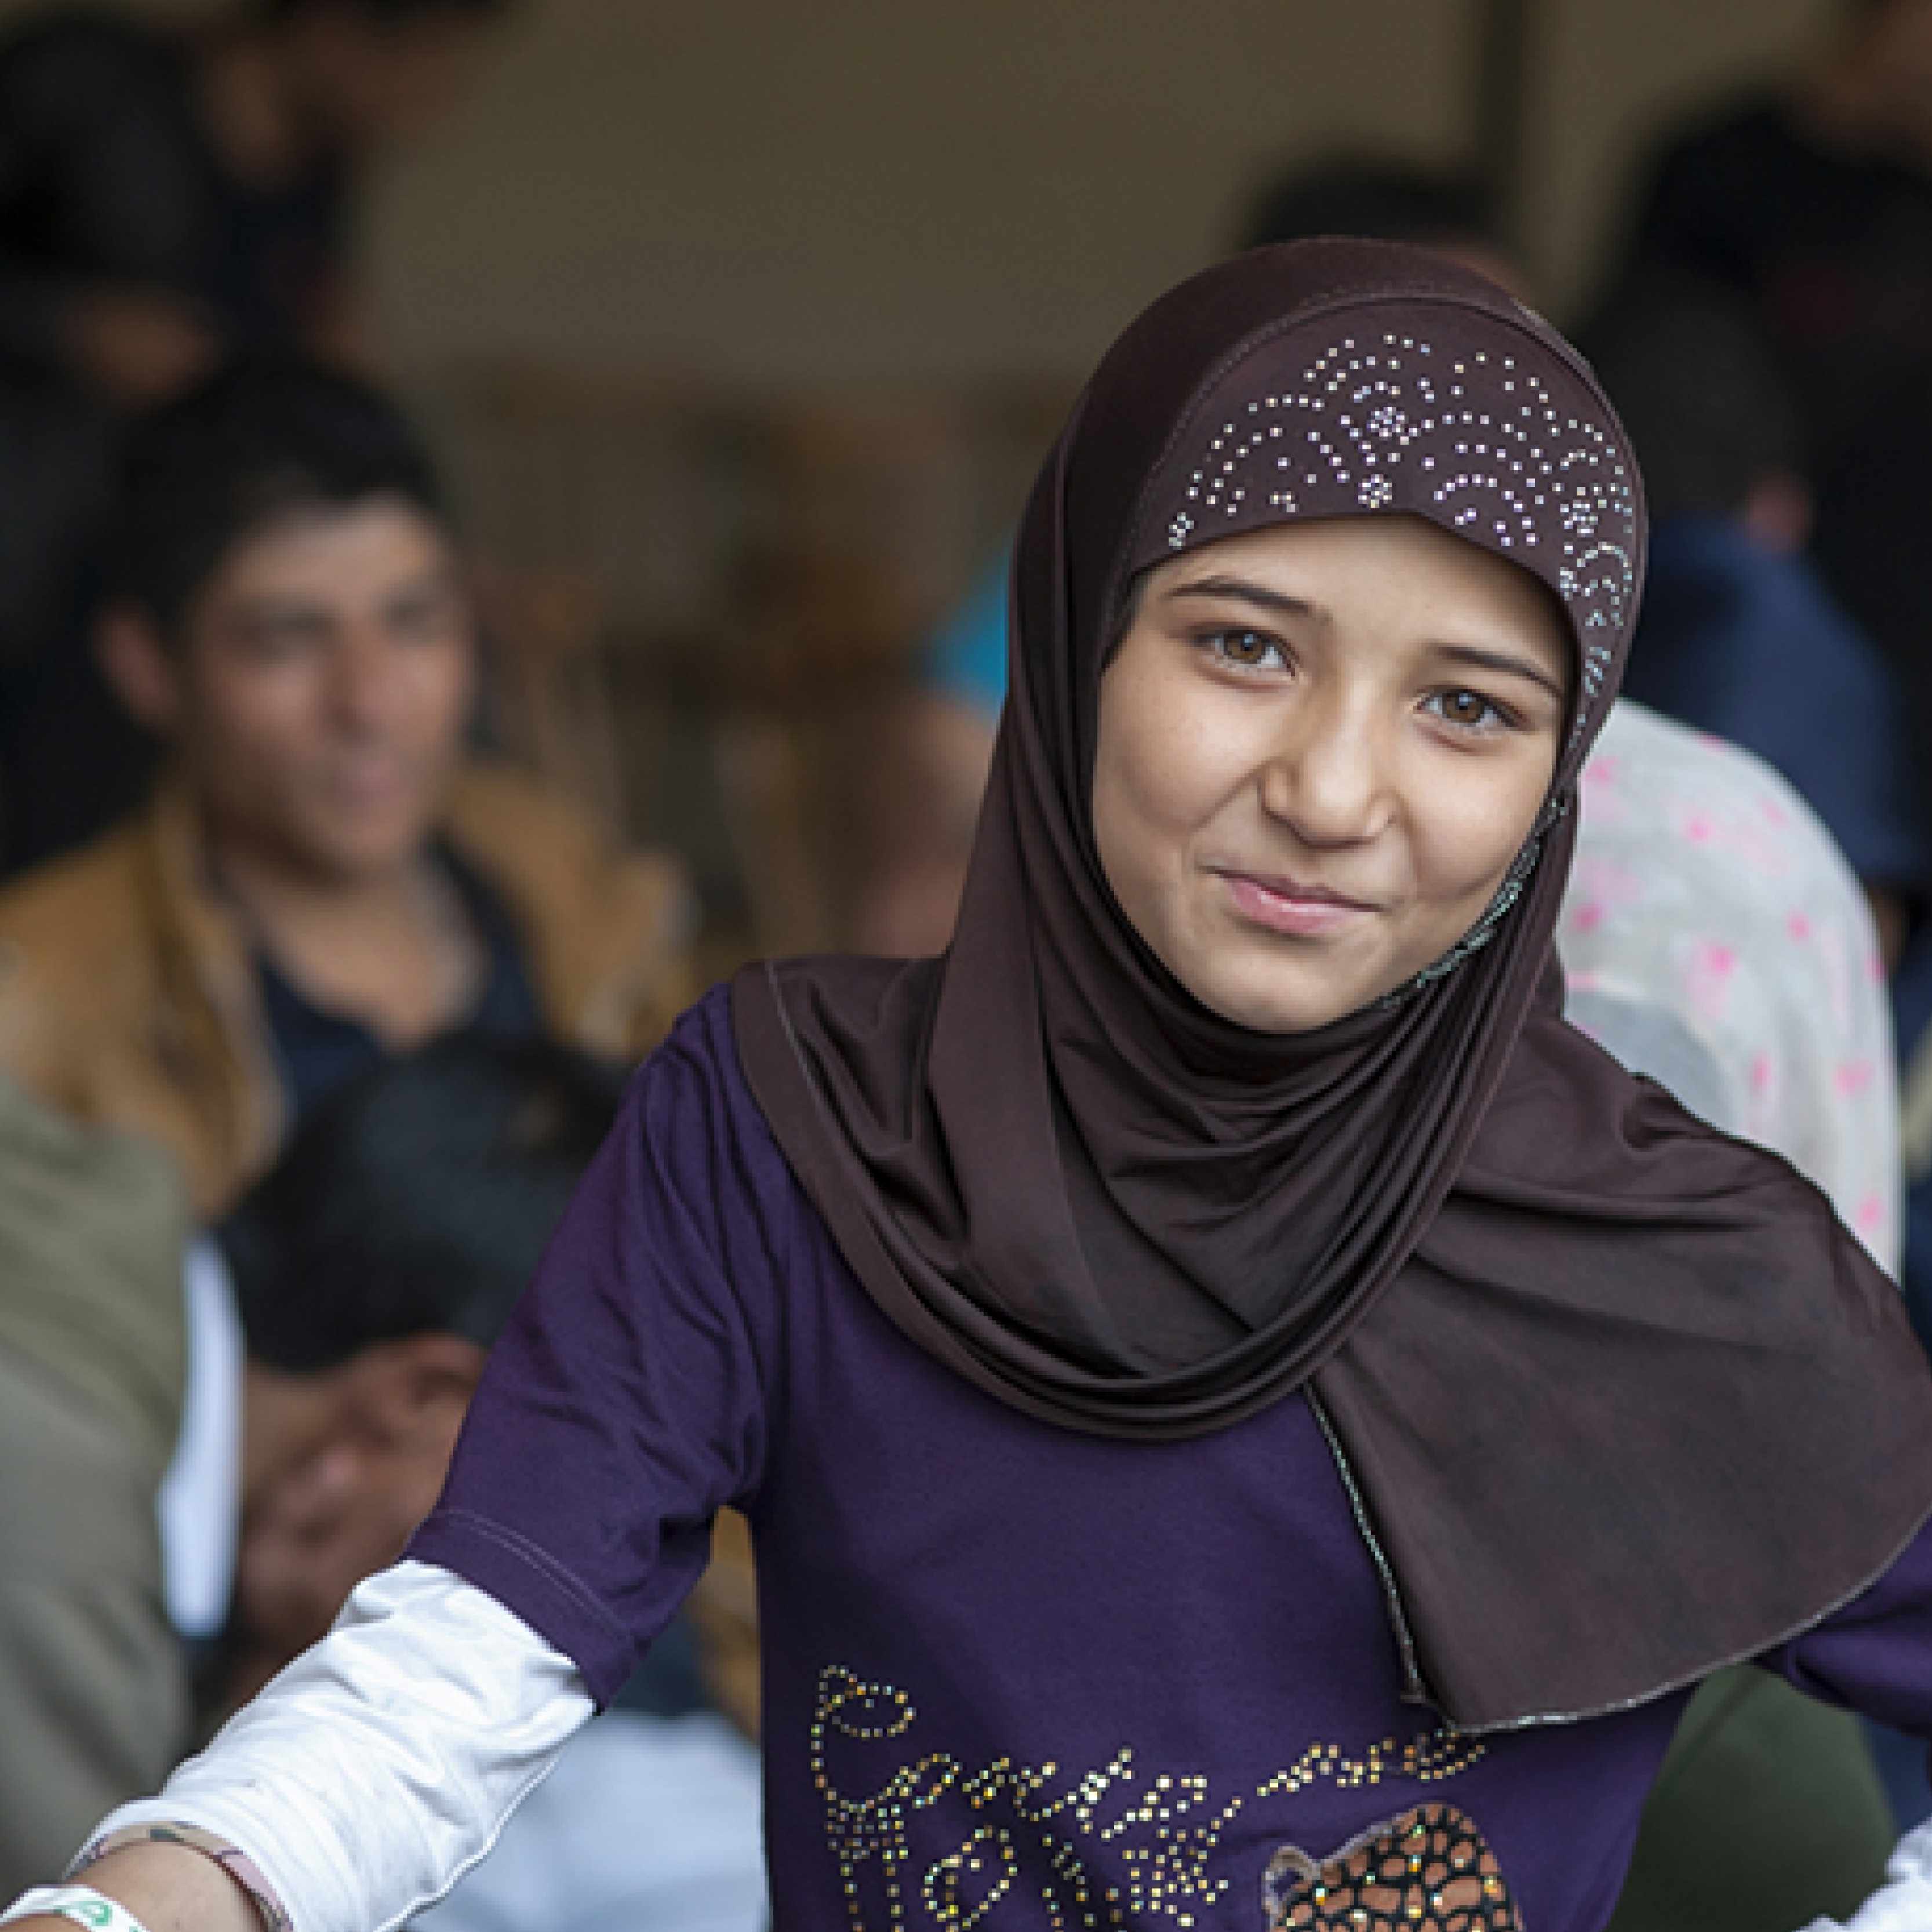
(382, 1764)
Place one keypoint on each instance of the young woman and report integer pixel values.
(1247, 1418)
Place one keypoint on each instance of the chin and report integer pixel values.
(1279, 1012)
(362, 848)
(1286, 990)
(350, 861)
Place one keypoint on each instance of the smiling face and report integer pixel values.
(1322, 745)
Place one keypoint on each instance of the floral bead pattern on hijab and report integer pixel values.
(1528, 1297)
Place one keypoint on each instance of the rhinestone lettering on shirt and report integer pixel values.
(1102, 1849)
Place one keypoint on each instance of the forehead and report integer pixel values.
(334, 551)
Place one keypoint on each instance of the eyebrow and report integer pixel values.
(437, 581)
(1257, 594)
(1478, 657)
(1508, 662)
(275, 606)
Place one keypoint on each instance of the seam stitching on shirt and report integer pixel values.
(539, 1559)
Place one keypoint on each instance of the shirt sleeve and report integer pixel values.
(382, 1764)
(626, 1401)
(1875, 1655)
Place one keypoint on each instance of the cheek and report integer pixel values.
(1474, 831)
(259, 721)
(441, 680)
(1166, 768)
(394, 1515)
(1138, 823)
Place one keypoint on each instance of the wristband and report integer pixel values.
(237, 1865)
(80, 1902)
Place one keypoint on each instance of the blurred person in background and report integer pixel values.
(93, 1702)
(322, 877)
(371, 1270)
(169, 196)
(1739, 635)
(1814, 202)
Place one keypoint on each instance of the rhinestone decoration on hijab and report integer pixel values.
(1061, 1175)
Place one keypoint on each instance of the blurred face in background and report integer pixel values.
(341, 1465)
(317, 695)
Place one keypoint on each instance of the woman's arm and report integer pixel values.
(365, 1780)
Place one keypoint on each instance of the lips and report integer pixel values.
(363, 787)
(1287, 906)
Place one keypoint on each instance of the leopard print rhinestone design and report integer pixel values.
(1430, 1871)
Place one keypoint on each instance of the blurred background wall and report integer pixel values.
(869, 190)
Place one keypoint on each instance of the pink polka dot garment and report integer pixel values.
(1713, 937)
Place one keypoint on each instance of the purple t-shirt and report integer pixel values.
(1013, 1674)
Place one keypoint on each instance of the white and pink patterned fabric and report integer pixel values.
(1713, 937)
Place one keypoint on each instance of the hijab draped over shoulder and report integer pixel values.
(1616, 1398)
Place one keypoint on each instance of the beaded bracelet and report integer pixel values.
(80, 1902)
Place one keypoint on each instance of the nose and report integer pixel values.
(1328, 778)
(368, 677)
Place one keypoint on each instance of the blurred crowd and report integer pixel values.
(322, 961)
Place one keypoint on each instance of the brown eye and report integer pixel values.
(1469, 708)
(1251, 649)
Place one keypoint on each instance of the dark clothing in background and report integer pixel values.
(107, 177)
(71, 761)
(1833, 253)
(1744, 642)
(108, 180)
(317, 1050)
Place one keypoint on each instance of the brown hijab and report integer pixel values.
(1616, 1399)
